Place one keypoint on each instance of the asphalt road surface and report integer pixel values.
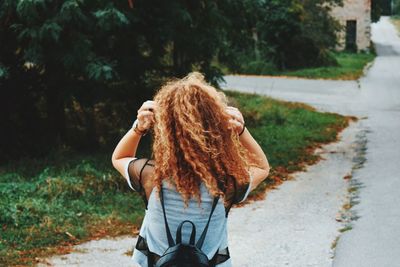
(375, 238)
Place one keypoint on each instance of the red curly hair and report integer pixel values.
(193, 141)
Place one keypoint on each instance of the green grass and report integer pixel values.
(61, 203)
(68, 198)
(350, 67)
(285, 129)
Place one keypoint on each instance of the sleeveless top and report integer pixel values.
(153, 234)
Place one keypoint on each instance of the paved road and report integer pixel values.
(296, 225)
(326, 95)
(375, 237)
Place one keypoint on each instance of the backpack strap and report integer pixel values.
(171, 242)
(200, 242)
(179, 233)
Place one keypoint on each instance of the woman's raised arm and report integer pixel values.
(126, 149)
(258, 173)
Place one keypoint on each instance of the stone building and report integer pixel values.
(355, 17)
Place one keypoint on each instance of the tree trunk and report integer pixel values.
(179, 61)
(91, 135)
(255, 39)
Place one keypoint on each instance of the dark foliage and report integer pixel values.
(381, 8)
(73, 73)
(396, 7)
(287, 33)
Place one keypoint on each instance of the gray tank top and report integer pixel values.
(153, 227)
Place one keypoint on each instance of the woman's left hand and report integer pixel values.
(145, 115)
(236, 121)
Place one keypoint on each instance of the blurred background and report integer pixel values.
(73, 74)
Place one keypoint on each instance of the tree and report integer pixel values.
(290, 33)
(48, 50)
(61, 60)
(56, 54)
(317, 35)
(381, 8)
(396, 7)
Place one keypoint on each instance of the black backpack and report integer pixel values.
(185, 255)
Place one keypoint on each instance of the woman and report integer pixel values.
(201, 150)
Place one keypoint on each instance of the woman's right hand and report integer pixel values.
(145, 115)
(236, 121)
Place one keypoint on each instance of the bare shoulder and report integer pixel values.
(144, 171)
(142, 168)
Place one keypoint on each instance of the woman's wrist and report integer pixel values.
(243, 129)
(136, 129)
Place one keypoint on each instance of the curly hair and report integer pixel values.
(193, 142)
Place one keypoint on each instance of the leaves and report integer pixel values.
(110, 18)
(100, 70)
(396, 7)
(6, 6)
(287, 33)
(34, 54)
(71, 12)
(77, 57)
(50, 31)
(30, 10)
(58, 52)
(3, 72)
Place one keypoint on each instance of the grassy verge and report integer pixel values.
(288, 133)
(48, 205)
(351, 66)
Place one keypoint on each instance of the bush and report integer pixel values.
(396, 7)
(258, 67)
